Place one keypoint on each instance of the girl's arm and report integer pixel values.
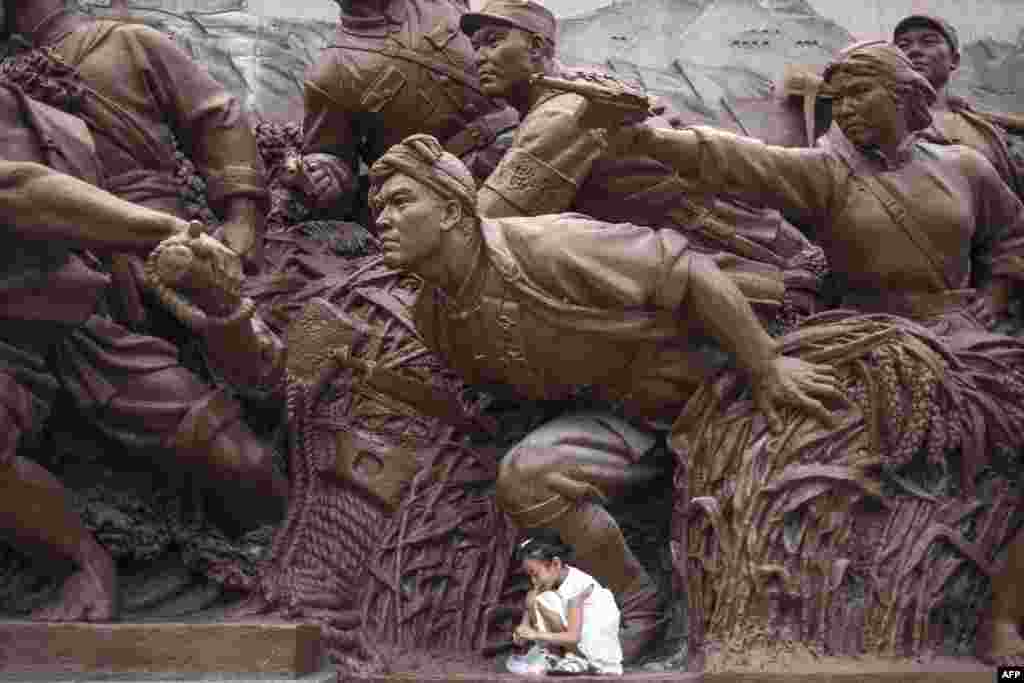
(525, 624)
(570, 637)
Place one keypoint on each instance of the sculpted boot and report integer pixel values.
(212, 438)
(999, 639)
(36, 514)
(601, 551)
(564, 501)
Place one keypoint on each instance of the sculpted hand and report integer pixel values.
(240, 238)
(196, 276)
(223, 259)
(796, 383)
(319, 176)
(242, 231)
(994, 302)
(523, 633)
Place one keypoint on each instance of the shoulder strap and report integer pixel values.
(103, 112)
(899, 214)
(426, 62)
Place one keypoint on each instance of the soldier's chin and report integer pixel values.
(392, 259)
(491, 87)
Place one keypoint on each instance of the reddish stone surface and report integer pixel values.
(280, 649)
(835, 670)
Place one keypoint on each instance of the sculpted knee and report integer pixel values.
(16, 416)
(522, 488)
(511, 479)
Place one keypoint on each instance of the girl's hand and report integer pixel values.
(523, 633)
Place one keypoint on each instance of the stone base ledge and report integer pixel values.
(822, 677)
(233, 648)
(826, 670)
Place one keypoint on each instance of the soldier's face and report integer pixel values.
(504, 59)
(866, 111)
(930, 53)
(409, 219)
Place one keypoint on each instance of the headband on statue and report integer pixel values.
(879, 57)
(422, 158)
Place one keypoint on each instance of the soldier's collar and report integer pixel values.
(861, 159)
(378, 26)
(466, 301)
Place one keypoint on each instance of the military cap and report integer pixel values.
(522, 14)
(931, 21)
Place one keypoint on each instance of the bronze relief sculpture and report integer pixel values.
(556, 163)
(543, 306)
(396, 67)
(915, 230)
(52, 343)
(850, 456)
(933, 47)
(146, 103)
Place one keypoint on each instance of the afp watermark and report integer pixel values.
(1010, 673)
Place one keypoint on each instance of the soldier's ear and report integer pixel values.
(954, 63)
(538, 47)
(451, 215)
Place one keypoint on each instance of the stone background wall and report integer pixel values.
(694, 52)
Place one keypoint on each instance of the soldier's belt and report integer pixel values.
(481, 132)
(323, 335)
(418, 395)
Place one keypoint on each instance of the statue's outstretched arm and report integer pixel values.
(800, 183)
(723, 312)
(39, 203)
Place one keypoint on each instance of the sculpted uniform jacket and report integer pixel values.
(954, 195)
(144, 91)
(554, 165)
(385, 78)
(49, 289)
(41, 280)
(962, 125)
(562, 303)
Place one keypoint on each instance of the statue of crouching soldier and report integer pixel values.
(544, 306)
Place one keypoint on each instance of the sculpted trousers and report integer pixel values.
(133, 388)
(559, 476)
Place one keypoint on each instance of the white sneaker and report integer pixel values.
(535, 662)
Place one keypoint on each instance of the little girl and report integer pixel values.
(572, 620)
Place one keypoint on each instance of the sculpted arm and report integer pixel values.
(721, 310)
(570, 637)
(330, 139)
(550, 158)
(42, 204)
(998, 245)
(216, 134)
(797, 182)
(628, 266)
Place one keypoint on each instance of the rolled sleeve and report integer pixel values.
(549, 159)
(210, 122)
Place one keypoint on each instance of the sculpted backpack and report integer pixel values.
(65, 143)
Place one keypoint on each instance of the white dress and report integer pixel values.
(599, 639)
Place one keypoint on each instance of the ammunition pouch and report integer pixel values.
(326, 346)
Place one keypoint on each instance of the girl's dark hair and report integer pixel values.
(543, 544)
